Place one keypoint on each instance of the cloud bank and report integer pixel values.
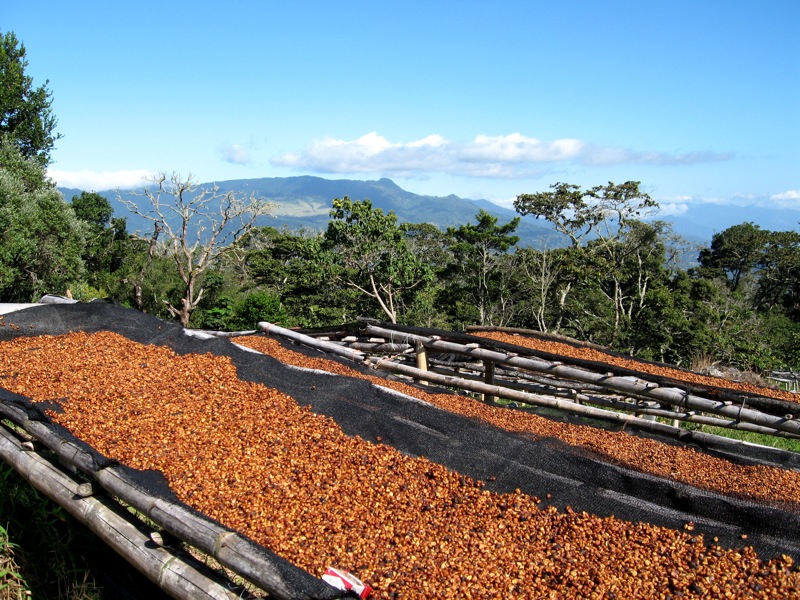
(97, 181)
(509, 156)
(236, 154)
(787, 199)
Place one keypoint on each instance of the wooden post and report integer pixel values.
(422, 359)
(488, 379)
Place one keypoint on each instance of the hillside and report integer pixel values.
(304, 202)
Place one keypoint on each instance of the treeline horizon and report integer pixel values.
(618, 280)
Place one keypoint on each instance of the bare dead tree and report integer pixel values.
(197, 225)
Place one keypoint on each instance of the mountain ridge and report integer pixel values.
(304, 202)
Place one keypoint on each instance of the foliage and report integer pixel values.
(602, 211)
(49, 547)
(480, 275)
(107, 242)
(369, 252)
(255, 307)
(26, 117)
(12, 585)
(779, 274)
(734, 253)
(41, 240)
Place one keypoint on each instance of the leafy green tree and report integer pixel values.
(432, 246)
(734, 253)
(26, 117)
(604, 222)
(779, 274)
(602, 211)
(255, 307)
(292, 266)
(547, 283)
(479, 278)
(107, 241)
(373, 256)
(41, 240)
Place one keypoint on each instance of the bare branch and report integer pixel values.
(198, 224)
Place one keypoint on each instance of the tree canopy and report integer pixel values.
(41, 240)
(197, 225)
(373, 254)
(26, 116)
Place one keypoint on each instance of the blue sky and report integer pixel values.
(699, 100)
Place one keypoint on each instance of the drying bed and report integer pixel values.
(756, 482)
(249, 455)
(596, 355)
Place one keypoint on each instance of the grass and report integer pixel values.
(12, 586)
(771, 441)
(42, 547)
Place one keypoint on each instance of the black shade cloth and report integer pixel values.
(507, 461)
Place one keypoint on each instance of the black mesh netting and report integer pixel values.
(507, 461)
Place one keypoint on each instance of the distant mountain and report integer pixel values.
(305, 201)
(702, 221)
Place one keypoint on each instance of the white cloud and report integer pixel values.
(672, 209)
(97, 181)
(600, 156)
(516, 148)
(787, 199)
(787, 195)
(236, 154)
(505, 156)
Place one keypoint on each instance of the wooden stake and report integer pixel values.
(422, 359)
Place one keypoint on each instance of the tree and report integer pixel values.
(478, 275)
(546, 280)
(605, 223)
(107, 241)
(26, 117)
(291, 265)
(373, 255)
(603, 211)
(779, 274)
(734, 252)
(197, 226)
(41, 240)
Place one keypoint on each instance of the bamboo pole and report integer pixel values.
(514, 383)
(221, 334)
(627, 385)
(488, 378)
(715, 422)
(535, 399)
(528, 398)
(178, 574)
(422, 359)
(270, 572)
(669, 430)
(384, 348)
(353, 355)
(690, 417)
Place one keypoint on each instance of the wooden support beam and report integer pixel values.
(488, 378)
(176, 572)
(422, 359)
(626, 385)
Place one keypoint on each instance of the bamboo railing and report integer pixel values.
(176, 572)
(183, 579)
(495, 374)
